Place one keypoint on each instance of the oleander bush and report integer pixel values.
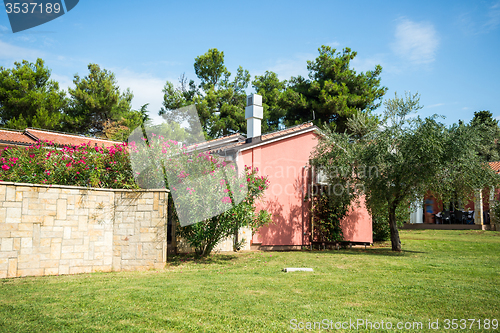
(212, 201)
(84, 165)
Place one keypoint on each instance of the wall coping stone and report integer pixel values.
(85, 188)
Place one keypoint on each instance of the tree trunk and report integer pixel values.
(396, 243)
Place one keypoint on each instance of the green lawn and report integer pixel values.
(441, 274)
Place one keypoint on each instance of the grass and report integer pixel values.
(441, 274)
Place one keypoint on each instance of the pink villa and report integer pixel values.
(284, 156)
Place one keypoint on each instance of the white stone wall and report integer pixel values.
(50, 230)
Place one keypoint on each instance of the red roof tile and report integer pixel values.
(67, 139)
(495, 166)
(286, 131)
(222, 138)
(15, 137)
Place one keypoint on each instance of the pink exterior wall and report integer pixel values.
(357, 225)
(284, 163)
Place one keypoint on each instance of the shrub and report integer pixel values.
(212, 201)
(495, 211)
(380, 221)
(84, 165)
(205, 235)
(329, 210)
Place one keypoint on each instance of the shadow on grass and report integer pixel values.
(180, 259)
(370, 251)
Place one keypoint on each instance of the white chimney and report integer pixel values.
(254, 114)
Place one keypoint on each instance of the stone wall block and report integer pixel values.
(32, 218)
(3, 190)
(3, 212)
(25, 205)
(61, 209)
(7, 244)
(51, 271)
(9, 226)
(30, 272)
(10, 194)
(55, 251)
(13, 204)
(17, 243)
(13, 215)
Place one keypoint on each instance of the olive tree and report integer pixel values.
(398, 162)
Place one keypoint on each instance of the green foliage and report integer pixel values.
(380, 220)
(210, 69)
(95, 100)
(121, 129)
(333, 91)
(46, 163)
(489, 133)
(495, 211)
(380, 228)
(220, 102)
(271, 89)
(28, 98)
(205, 235)
(329, 210)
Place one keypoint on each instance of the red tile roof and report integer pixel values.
(219, 143)
(15, 138)
(286, 131)
(223, 138)
(67, 139)
(265, 137)
(31, 136)
(495, 166)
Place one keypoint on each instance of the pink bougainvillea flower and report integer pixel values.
(226, 200)
(226, 190)
(5, 167)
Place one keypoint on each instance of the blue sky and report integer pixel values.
(448, 51)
